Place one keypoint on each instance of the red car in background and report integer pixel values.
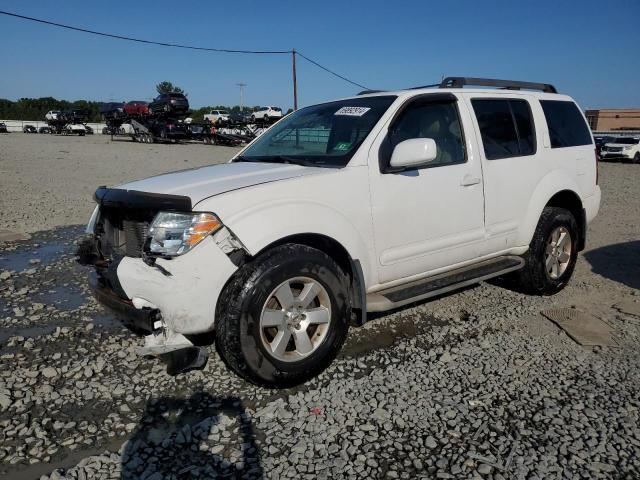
(136, 107)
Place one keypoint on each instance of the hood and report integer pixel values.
(204, 182)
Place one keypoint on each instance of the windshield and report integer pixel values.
(626, 140)
(322, 135)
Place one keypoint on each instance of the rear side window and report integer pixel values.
(506, 127)
(567, 127)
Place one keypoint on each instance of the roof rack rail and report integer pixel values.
(366, 92)
(459, 82)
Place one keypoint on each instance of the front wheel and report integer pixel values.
(284, 317)
(636, 158)
(552, 254)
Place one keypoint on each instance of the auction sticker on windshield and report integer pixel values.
(353, 111)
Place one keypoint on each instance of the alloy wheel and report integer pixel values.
(295, 319)
(558, 252)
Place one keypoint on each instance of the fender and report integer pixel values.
(261, 225)
(553, 182)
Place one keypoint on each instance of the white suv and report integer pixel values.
(217, 116)
(627, 148)
(266, 114)
(52, 115)
(353, 206)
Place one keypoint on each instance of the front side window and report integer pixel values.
(438, 120)
(506, 127)
(567, 127)
(325, 135)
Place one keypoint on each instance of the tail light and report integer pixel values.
(597, 157)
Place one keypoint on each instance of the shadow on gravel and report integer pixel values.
(196, 438)
(619, 262)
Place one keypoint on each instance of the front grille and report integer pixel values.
(122, 231)
(135, 234)
(613, 149)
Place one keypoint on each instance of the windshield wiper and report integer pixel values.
(275, 159)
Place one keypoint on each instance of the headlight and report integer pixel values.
(629, 147)
(176, 233)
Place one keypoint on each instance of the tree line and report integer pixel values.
(36, 108)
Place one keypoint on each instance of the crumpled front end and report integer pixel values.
(168, 300)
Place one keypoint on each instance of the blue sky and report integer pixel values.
(587, 49)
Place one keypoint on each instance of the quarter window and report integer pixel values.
(506, 127)
(567, 128)
(437, 120)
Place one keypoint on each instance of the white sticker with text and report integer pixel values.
(352, 111)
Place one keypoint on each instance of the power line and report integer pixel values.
(331, 72)
(177, 45)
(140, 40)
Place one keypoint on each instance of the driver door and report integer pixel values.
(427, 218)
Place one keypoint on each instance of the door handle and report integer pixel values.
(469, 180)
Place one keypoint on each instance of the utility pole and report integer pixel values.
(241, 85)
(295, 81)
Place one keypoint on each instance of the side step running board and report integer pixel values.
(438, 284)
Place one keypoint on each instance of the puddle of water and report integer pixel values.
(63, 298)
(385, 335)
(107, 321)
(27, 332)
(19, 260)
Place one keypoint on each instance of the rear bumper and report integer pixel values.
(591, 204)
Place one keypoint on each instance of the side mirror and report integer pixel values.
(413, 153)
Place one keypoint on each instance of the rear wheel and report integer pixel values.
(284, 316)
(552, 254)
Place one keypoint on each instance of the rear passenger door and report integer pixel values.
(509, 146)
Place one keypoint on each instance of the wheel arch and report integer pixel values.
(556, 189)
(338, 253)
(570, 200)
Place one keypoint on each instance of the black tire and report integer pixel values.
(636, 158)
(534, 278)
(237, 326)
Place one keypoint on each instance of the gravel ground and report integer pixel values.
(48, 181)
(475, 384)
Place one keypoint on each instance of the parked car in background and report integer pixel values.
(52, 115)
(274, 255)
(88, 130)
(29, 129)
(3, 128)
(601, 140)
(625, 148)
(169, 103)
(266, 113)
(136, 107)
(44, 130)
(170, 129)
(239, 118)
(74, 129)
(199, 131)
(111, 110)
(217, 116)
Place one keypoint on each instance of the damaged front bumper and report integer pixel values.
(168, 301)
